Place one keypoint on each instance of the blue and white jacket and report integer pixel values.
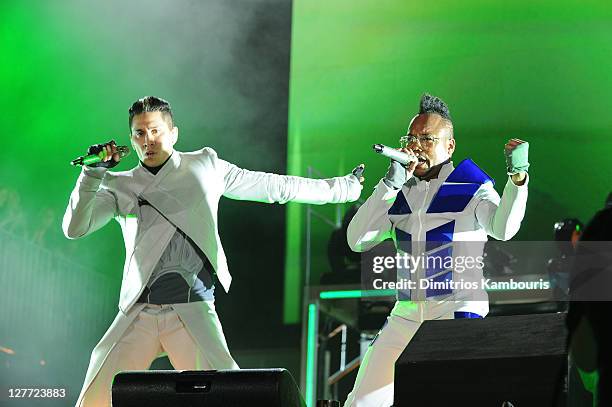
(436, 217)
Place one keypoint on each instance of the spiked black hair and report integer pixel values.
(433, 104)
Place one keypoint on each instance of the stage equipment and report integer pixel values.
(211, 388)
(520, 359)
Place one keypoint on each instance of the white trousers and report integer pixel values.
(156, 330)
(374, 383)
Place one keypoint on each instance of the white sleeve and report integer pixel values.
(90, 207)
(501, 218)
(371, 224)
(266, 187)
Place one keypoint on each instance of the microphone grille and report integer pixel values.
(123, 151)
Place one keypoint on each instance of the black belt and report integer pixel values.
(147, 298)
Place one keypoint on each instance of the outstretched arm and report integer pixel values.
(266, 187)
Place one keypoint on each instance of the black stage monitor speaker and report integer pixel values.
(227, 388)
(521, 359)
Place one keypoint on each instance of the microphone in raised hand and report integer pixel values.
(105, 155)
(401, 167)
(394, 154)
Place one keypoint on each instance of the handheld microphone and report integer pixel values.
(393, 154)
(123, 151)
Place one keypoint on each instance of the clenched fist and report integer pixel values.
(110, 156)
(516, 152)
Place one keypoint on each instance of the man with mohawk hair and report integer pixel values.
(425, 207)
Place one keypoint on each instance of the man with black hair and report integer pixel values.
(167, 209)
(425, 207)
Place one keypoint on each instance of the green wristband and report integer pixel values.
(517, 159)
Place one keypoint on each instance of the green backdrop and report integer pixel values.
(535, 70)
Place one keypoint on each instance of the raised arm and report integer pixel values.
(371, 224)
(501, 218)
(90, 207)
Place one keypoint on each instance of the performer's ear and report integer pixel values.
(451, 147)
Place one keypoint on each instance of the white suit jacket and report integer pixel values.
(186, 191)
(431, 217)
